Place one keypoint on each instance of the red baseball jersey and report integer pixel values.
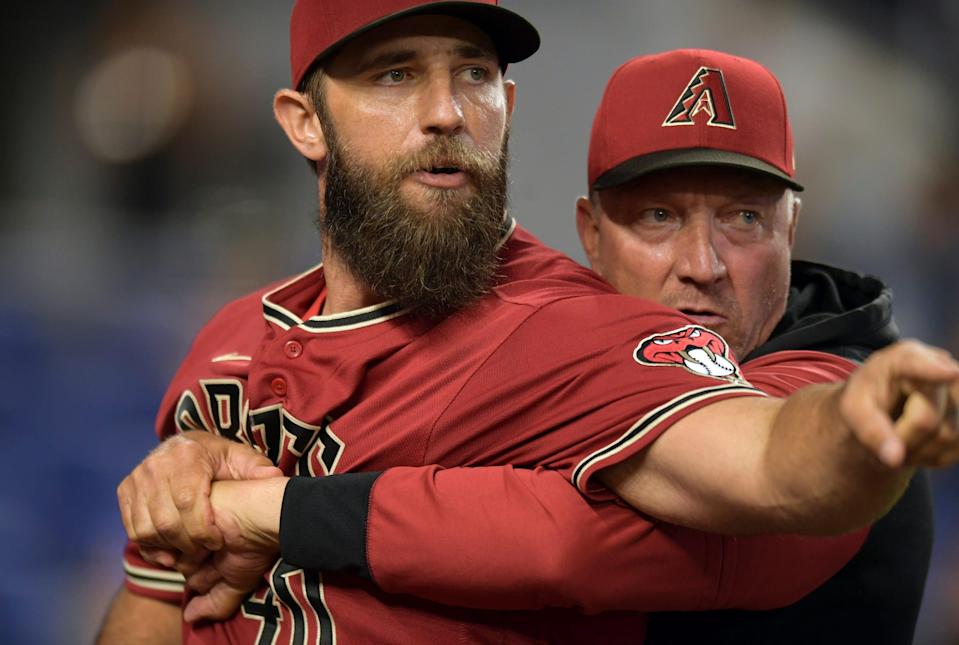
(505, 538)
(552, 369)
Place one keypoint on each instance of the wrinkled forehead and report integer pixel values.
(410, 39)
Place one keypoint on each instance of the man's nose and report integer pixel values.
(441, 111)
(698, 259)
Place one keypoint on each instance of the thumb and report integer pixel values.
(219, 603)
(243, 462)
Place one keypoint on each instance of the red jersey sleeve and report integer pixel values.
(509, 538)
(145, 579)
(503, 538)
(590, 381)
(782, 373)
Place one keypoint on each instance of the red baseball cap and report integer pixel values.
(690, 107)
(319, 27)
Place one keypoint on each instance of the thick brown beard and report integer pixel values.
(434, 262)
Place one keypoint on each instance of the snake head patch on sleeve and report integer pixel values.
(693, 348)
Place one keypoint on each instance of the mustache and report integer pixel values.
(446, 152)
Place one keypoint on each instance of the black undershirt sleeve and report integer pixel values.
(323, 522)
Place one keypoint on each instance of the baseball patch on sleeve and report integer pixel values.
(693, 348)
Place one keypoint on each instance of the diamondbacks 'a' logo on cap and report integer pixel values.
(693, 348)
(705, 92)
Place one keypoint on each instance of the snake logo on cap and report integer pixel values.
(705, 92)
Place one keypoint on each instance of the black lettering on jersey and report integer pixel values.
(224, 401)
(300, 592)
(312, 445)
(295, 446)
(264, 609)
(263, 431)
(187, 415)
(331, 447)
(298, 448)
(314, 594)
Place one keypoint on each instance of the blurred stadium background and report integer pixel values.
(143, 184)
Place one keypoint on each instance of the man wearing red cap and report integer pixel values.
(393, 354)
(703, 220)
(698, 211)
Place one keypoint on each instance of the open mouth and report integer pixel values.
(691, 311)
(442, 176)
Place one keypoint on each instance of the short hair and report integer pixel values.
(312, 88)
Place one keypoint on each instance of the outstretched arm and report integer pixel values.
(829, 458)
(504, 538)
(539, 568)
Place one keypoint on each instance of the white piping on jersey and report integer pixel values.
(327, 324)
(652, 420)
(158, 574)
(347, 327)
(171, 587)
(155, 579)
(509, 231)
(267, 303)
(232, 356)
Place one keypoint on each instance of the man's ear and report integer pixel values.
(587, 225)
(295, 114)
(509, 87)
(796, 207)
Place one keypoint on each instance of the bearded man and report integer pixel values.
(352, 367)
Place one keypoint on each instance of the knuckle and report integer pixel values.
(912, 345)
(146, 469)
(167, 526)
(187, 447)
(144, 533)
(184, 497)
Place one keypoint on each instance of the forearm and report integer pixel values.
(821, 478)
(505, 538)
(138, 620)
(249, 510)
(805, 464)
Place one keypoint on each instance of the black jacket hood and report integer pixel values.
(835, 311)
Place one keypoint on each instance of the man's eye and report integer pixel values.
(749, 217)
(394, 76)
(477, 74)
(654, 216)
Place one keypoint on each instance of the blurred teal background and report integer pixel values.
(143, 183)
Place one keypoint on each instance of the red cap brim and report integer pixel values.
(648, 163)
(514, 37)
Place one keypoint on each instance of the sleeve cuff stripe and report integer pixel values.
(154, 575)
(649, 422)
(153, 585)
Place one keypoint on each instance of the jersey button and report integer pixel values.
(278, 385)
(293, 349)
